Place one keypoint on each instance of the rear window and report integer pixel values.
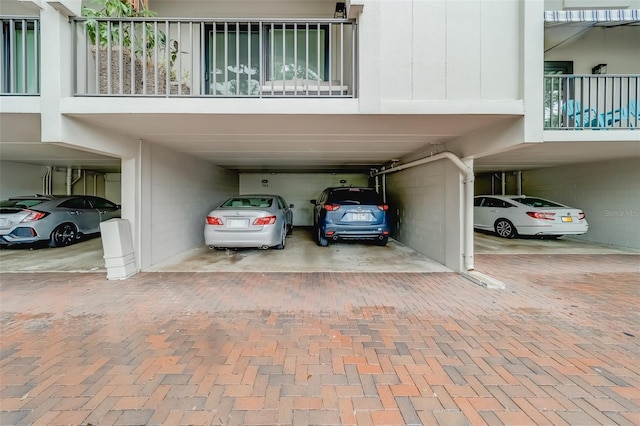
(21, 204)
(249, 202)
(536, 202)
(365, 196)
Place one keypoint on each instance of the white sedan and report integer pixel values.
(259, 220)
(512, 215)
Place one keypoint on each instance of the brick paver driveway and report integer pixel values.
(559, 345)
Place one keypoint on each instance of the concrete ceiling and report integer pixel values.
(552, 154)
(276, 143)
(307, 142)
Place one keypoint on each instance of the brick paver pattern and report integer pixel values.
(560, 345)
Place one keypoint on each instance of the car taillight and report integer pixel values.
(581, 216)
(331, 207)
(383, 207)
(267, 220)
(541, 215)
(33, 216)
(211, 220)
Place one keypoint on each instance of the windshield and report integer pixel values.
(536, 202)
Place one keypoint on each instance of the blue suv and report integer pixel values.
(348, 213)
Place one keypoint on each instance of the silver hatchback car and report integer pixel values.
(259, 220)
(60, 220)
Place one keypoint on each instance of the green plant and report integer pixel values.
(115, 33)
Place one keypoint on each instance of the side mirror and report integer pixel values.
(314, 202)
(291, 206)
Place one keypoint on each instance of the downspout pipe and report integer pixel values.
(69, 176)
(468, 180)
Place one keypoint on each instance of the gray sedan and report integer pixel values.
(259, 220)
(60, 220)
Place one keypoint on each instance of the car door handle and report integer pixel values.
(495, 211)
(74, 212)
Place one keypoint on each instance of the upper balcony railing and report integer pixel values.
(215, 58)
(20, 56)
(591, 102)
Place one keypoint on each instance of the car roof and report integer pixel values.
(334, 188)
(255, 195)
(504, 197)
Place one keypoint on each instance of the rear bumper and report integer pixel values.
(20, 235)
(576, 229)
(242, 239)
(374, 232)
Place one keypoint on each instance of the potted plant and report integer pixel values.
(116, 44)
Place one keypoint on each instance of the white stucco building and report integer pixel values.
(431, 101)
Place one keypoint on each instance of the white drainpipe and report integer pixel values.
(69, 174)
(468, 198)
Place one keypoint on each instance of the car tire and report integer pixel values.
(382, 242)
(505, 229)
(283, 243)
(290, 229)
(64, 235)
(322, 241)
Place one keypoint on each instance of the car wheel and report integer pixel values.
(382, 242)
(283, 243)
(322, 241)
(505, 229)
(290, 229)
(63, 235)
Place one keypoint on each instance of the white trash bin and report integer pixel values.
(117, 244)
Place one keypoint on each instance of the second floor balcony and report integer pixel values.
(215, 58)
(592, 102)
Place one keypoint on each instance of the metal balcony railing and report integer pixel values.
(215, 58)
(20, 56)
(595, 102)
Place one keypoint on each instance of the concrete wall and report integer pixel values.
(608, 192)
(182, 190)
(298, 188)
(425, 204)
(20, 179)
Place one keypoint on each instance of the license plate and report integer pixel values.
(360, 217)
(567, 219)
(237, 223)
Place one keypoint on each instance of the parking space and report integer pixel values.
(488, 243)
(85, 256)
(300, 255)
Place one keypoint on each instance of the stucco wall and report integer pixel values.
(426, 210)
(608, 192)
(183, 190)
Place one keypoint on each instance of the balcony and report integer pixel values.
(591, 102)
(215, 58)
(20, 56)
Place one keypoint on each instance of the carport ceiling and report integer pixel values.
(284, 142)
(552, 154)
